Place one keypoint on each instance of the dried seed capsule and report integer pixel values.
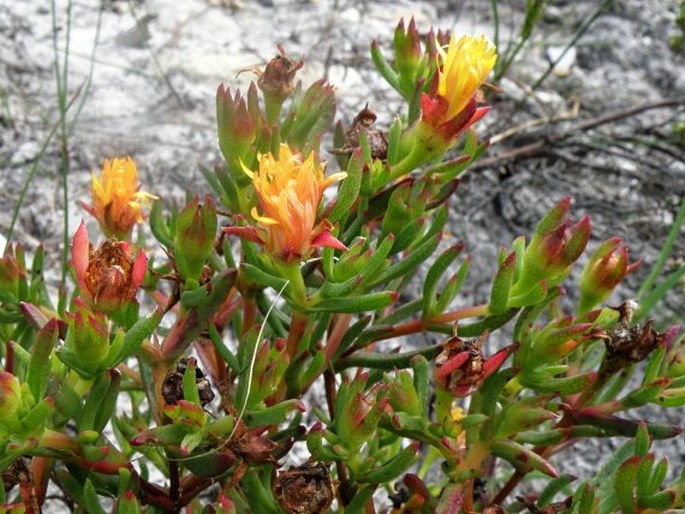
(307, 489)
(172, 387)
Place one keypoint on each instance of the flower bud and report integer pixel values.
(553, 342)
(312, 115)
(11, 403)
(271, 362)
(402, 394)
(359, 411)
(608, 265)
(186, 413)
(236, 127)
(407, 46)
(553, 249)
(521, 416)
(87, 336)
(108, 277)
(11, 272)
(195, 234)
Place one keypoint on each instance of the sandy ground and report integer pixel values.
(157, 64)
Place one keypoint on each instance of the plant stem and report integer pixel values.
(340, 326)
(384, 361)
(61, 80)
(174, 491)
(418, 325)
(665, 252)
(298, 326)
(579, 33)
(345, 489)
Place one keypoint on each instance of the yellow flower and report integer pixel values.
(117, 202)
(289, 192)
(451, 106)
(457, 413)
(464, 65)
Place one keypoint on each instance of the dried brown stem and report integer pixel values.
(545, 141)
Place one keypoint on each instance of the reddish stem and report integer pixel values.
(298, 325)
(249, 313)
(9, 357)
(418, 325)
(340, 327)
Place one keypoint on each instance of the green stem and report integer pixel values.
(387, 362)
(272, 108)
(579, 33)
(61, 79)
(665, 251)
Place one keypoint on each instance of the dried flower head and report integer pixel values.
(306, 489)
(172, 386)
(278, 76)
(109, 276)
(627, 342)
(461, 366)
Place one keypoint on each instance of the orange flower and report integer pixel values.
(117, 202)
(463, 66)
(289, 191)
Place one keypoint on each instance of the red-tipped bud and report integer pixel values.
(579, 235)
(87, 336)
(407, 45)
(675, 359)
(11, 271)
(360, 412)
(554, 217)
(237, 127)
(402, 394)
(609, 264)
(11, 403)
(552, 250)
(195, 233)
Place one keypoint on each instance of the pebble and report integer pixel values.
(566, 59)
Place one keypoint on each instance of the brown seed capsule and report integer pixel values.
(172, 387)
(278, 76)
(628, 343)
(472, 371)
(13, 474)
(254, 448)
(307, 489)
(363, 122)
(552, 508)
